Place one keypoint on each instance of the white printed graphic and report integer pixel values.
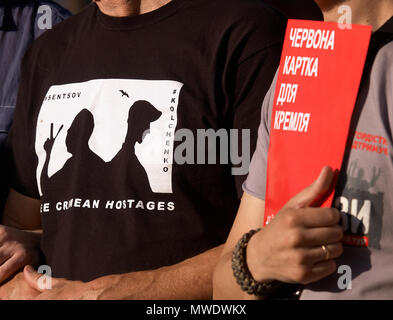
(110, 102)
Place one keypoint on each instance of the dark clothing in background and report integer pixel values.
(18, 29)
(298, 9)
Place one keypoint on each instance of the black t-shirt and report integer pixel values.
(94, 132)
(299, 9)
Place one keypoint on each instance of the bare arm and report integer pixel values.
(21, 212)
(289, 248)
(190, 279)
(249, 216)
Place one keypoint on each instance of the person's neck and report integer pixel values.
(366, 12)
(125, 8)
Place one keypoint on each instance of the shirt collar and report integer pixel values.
(387, 27)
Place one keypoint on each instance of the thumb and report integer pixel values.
(317, 191)
(37, 281)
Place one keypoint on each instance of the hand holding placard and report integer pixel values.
(289, 248)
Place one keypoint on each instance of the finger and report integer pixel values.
(330, 252)
(32, 278)
(314, 192)
(322, 236)
(321, 270)
(317, 254)
(318, 217)
(9, 267)
(51, 130)
(4, 256)
(38, 281)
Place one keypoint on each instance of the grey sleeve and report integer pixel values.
(255, 184)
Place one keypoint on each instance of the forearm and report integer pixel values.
(21, 212)
(31, 239)
(190, 279)
(249, 216)
(224, 282)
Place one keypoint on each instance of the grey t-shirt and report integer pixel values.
(362, 194)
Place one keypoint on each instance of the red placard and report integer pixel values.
(318, 82)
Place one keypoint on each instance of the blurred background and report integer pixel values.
(73, 5)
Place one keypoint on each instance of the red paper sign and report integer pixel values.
(318, 82)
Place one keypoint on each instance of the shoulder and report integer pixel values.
(385, 55)
(252, 13)
(249, 24)
(382, 75)
(255, 15)
(53, 42)
(382, 68)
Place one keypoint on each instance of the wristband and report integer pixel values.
(273, 289)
